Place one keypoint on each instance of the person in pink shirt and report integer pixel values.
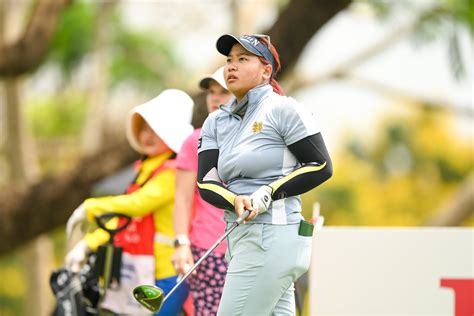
(197, 223)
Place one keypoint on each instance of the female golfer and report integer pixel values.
(260, 152)
(197, 223)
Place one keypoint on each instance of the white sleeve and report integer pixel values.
(296, 121)
(208, 137)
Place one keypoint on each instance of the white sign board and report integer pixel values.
(392, 271)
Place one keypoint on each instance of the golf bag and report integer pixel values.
(77, 294)
(80, 294)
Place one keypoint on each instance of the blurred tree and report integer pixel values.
(438, 19)
(429, 21)
(93, 131)
(28, 52)
(143, 59)
(94, 36)
(72, 40)
(304, 18)
(402, 176)
(457, 209)
(20, 54)
(22, 49)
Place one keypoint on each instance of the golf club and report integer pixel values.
(151, 297)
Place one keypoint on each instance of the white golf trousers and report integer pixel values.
(264, 261)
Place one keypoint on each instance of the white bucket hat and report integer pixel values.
(169, 115)
(218, 76)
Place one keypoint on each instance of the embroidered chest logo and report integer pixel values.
(257, 127)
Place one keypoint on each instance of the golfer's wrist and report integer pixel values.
(241, 199)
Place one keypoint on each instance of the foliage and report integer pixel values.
(73, 38)
(439, 19)
(443, 22)
(142, 58)
(461, 10)
(414, 165)
(13, 288)
(458, 10)
(58, 116)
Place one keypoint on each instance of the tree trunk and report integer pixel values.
(14, 134)
(47, 204)
(379, 46)
(297, 24)
(23, 168)
(38, 261)
(22, 162)
(28, 52)
(18, 148)
(457, 210)
(93, 132)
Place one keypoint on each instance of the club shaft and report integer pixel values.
(234, 225)
(109, 254)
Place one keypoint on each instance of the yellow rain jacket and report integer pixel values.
(157, 196)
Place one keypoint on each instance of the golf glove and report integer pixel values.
(261, 199)
(77, 217)
(77, 256)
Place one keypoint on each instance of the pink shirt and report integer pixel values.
(207, 224)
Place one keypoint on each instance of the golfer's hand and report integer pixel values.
(242, 203)
(182, 259)
(77, 256)
(77, 217)
(261, 199)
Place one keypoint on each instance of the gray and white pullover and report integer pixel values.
(265, 139)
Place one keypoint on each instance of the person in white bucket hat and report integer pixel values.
(157, 130)
(169, 115)
(197, 223)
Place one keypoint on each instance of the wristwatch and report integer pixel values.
(181, 240)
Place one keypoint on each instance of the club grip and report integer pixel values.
(242, 217)
(104, 218)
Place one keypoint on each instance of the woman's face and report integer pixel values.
(216, 95)
(244, 71)
(151, 143)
